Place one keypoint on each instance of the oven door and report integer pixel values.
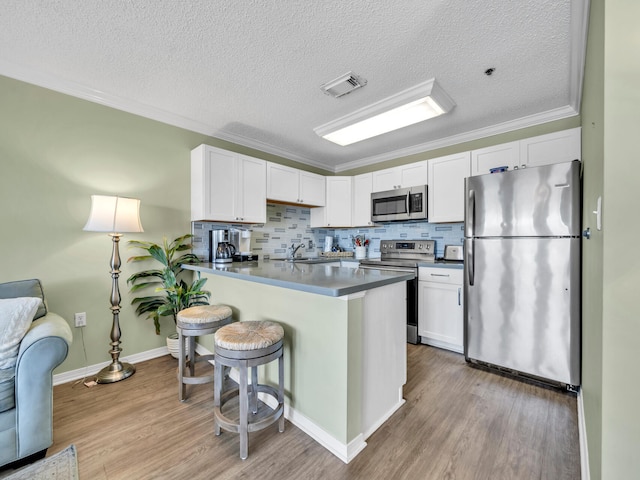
(412, 299)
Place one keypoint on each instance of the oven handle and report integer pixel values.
(389, 268)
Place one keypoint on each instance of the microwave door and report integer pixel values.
(390, 207)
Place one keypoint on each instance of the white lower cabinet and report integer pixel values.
(441, 307)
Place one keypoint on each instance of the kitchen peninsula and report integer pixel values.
(345, 341)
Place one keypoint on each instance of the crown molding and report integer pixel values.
(529, 121)
(268, 148)
(69, 87)
(579, 33)
(74, 89)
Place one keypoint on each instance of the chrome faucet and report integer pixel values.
(295, 249)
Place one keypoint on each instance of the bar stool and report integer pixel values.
(245, 345)
(191, 323)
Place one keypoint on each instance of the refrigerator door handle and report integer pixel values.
(469, 262)
(470, 221)
(459, 296)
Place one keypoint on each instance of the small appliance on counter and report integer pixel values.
(227, 245)
(453, 254)
(221, 250)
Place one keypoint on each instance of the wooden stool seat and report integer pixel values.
(193, 322)
(245, 345)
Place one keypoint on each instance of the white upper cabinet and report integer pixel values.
(312, 189)
(337, 212)
(554, 147)
(503, 155)
(446, 187)
(251, 196)
(410, 175)
(227, 186)
(290, 185)
(362, 188)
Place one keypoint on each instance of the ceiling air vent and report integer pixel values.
(344, 84)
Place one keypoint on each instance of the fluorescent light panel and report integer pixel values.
(419, 103)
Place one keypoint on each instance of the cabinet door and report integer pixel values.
(387, 179)
(554, 147)
(338, 202)
(312, 189)
(362, 188)
(446, 187)
(251, 191)
(503, 155)
(213, 180)
(440, 317)
(414, 174)
(337, 213)
(282, 183)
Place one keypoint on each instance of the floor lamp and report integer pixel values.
(115, 215)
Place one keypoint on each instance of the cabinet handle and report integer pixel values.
(439, 275)
(459, 296)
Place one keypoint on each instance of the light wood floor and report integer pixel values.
(458, 423)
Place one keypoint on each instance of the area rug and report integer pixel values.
(61, 466)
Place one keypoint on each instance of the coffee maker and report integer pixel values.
(242, 241)
(221, 247)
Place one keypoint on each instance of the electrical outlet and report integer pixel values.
(81, 319)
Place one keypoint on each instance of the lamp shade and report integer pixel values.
(114, 215)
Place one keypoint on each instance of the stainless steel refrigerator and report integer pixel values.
(522, 272)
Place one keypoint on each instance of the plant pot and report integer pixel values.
(173, 346)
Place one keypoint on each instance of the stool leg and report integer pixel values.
(217, 392)
(182, 393)
(254, 389)
(281, 390)
(244, 407)
(192, 355)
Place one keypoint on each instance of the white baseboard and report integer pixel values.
(91, 370)
(582, 435)
(345, 452)
(385, 417)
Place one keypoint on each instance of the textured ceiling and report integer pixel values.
(249, 71)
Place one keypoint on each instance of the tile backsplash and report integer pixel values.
(287, 225)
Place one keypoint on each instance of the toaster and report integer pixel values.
(453, 252)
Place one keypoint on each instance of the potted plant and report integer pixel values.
(173, 293)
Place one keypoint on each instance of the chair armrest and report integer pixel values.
(43, 348)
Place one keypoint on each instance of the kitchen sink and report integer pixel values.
(301, 260)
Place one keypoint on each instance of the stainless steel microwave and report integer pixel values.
(402, 204)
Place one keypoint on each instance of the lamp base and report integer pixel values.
(115, 372)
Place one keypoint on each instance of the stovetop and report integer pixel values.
(404, 253)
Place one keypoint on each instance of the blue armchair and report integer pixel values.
(26, 430)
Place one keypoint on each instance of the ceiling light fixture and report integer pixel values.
(416, 104)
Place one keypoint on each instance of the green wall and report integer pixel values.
(593, 158)
(56, 151)
(621, 273)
